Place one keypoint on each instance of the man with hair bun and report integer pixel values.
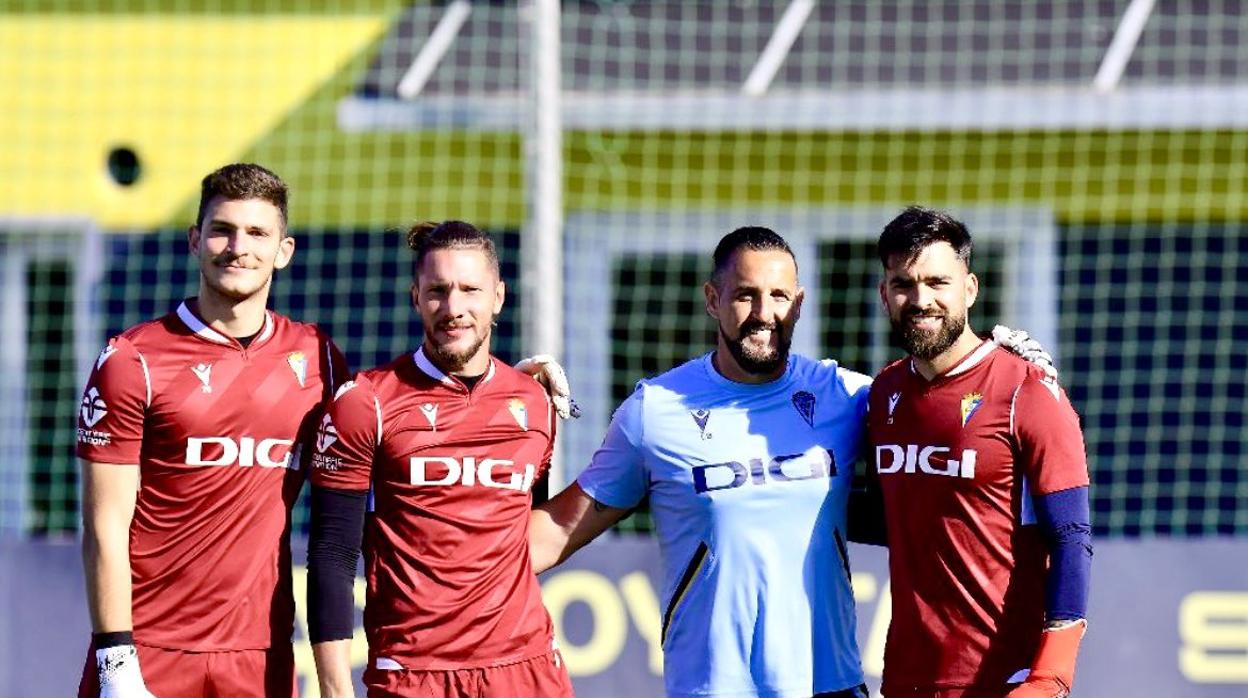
(429, 463)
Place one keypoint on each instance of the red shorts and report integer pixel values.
(951, 692)
(544, 676)
(260, 673)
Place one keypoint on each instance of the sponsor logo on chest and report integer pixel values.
(469, 471)
(216, 451)
(931, 460)
(760, 472)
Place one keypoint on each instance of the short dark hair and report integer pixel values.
(428, 236)
(240, 181)
(750, 237)
(916, 228)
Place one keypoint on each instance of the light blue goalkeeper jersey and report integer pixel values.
(748, 485)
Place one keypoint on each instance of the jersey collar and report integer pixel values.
(426, 366)
(971, 360)
(708, 361)
(194, 324)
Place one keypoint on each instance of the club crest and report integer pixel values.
(519, 412)
(970, 405)
(804, 403)
(299, 364)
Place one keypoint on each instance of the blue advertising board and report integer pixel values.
(1169, 618)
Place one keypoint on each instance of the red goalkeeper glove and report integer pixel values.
(1053, 669)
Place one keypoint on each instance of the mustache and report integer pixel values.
(226, 259)
(911, 313)
(750, 325)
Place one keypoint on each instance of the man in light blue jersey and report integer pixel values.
(747, 456)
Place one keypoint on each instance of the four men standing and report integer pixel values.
(747, 454)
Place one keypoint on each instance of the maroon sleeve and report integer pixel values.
(1051, 451)
(114, 405)
(347, 438)
(335, 367)
(552, 421)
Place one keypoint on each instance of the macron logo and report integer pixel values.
(107, 352)
(344, 389)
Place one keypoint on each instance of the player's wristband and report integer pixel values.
(105, 640)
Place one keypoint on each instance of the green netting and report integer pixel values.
(978, 106)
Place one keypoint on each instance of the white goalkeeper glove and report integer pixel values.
(1023, 344)
(550, 374)
(119, 673)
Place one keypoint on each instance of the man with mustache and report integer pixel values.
(186, 434)
(747, 454)
(441, 447)
(980, 461)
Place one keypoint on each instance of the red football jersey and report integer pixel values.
(958, 459)
(212, 426)
(446, 547)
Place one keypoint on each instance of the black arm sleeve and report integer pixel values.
(1066, 521)
(333, 550)
(865, 513)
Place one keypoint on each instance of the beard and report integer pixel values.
(922, 344)
(449, 359)
(755, 360)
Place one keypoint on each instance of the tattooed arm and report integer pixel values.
(565, 523)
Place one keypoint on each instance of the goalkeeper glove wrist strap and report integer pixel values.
(106, 640)
(1059, 648)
